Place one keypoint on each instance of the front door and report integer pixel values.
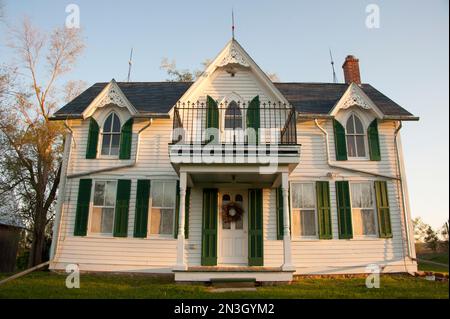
(233, 237)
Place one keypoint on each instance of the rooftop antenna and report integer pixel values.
(130, 63)
(332, 67)
(232, 23)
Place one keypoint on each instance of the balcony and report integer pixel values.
(234, 132)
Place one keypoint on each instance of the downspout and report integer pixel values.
(403, 190)
(109, 169)
(62, 190)
(343, 167)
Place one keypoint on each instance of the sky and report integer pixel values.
(406, 57)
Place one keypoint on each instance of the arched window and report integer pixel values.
(233, 116)
(111, 135)
(355, 134)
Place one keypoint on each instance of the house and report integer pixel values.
(234, 176)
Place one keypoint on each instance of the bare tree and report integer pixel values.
(31, 143)
(73, 89)
(178, 75)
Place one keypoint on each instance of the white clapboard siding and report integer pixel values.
(336, 255)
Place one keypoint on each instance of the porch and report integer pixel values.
(219, 247)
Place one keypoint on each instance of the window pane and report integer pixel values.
(239, 198)
(169, 194)
(360, 145)
(225, 198)
(307, 196)
(368, 221)
(157, 193)
(105, 144)
(116, 124)
(115, 144)
(296, 222)
(107, 126)
(161, 221)
(110, 194)
(226, 224)
(356, 195)
(166, 221)
(366, 195)
(357, 222)
(308, 223)
(155, 220)
(350, 127)
(358, 125)
(351, 146)
(107, 220)
(295, 193)
(96, 220)
(239, 224)
(99, 193)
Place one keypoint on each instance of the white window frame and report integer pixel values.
(374, 208)
(295, 237)
(91, 209)
(150, 207)
(364, 135)
(100, 144)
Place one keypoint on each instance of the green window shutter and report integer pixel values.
(374, 141)
(212, 116)
(280, 213)
(255, 228)
(324, 210)
(384, 215)
(186, 212)
(82, 212)
(177, 210)
(122, 205)
(209, 228)
(92, 141)
(344, 210)
(340, 142)
(253, 118)
(141, 212)
(126, 139)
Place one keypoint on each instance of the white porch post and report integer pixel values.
(181, 265)
(287, 254)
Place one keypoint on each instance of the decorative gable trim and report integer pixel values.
(355, 96)
(111, 94)
(233, 56)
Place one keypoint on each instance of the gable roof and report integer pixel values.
(159, 97)
(146, 97)
(320, 98)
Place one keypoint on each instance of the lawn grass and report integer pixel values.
(435, 257)
(46, 284)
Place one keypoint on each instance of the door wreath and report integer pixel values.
(232, 212)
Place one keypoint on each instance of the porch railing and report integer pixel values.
(277, 123)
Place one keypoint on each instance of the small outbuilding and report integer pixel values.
(9, 244)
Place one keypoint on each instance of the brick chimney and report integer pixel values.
(351, 70)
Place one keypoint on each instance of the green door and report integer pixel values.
(255, 228)
(209, 227)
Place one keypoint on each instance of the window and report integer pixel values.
(111, 135)
(363, 211)
(355, 134)
(303, 210)
(163, 197)
(104, 202)
(233, 116)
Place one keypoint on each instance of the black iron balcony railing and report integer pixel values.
(235, 123)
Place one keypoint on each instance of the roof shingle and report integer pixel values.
(160, 97)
